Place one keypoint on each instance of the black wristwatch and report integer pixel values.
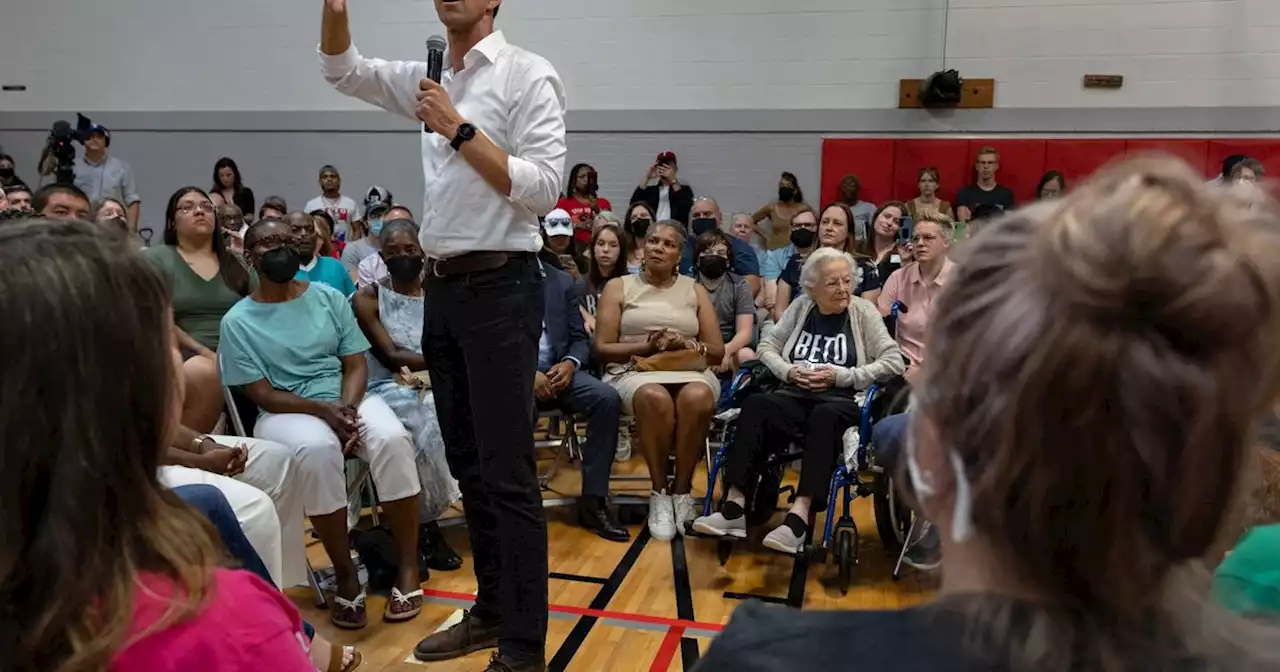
(465, 132)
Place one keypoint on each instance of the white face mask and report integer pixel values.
(923, 482)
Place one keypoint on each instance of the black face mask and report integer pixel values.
(803, 237)
(702, 225)
(785, 194)
(405, 268)
(713, 266)
(639, 228)
(281, 264)
(6, 173)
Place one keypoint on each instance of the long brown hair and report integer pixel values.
(1097, 366)
(595, 279)
(88, 395)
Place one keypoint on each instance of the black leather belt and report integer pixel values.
(472, 262)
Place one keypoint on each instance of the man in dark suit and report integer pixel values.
(561, 383)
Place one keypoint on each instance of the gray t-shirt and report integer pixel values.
(356, 251)
(730, 299)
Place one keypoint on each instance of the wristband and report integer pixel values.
(198, 443)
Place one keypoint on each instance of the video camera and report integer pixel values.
(59, 147)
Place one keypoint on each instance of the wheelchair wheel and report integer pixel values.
(763, 498)
(893, 516)
(846, 553)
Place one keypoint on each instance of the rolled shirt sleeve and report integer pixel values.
(536, 163)
(128, 186)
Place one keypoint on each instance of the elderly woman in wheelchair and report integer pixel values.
(827, 346)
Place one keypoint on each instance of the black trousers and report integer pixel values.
(768, 424)
(481, 341)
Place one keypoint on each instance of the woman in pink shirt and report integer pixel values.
(916, 285)
(102, 568)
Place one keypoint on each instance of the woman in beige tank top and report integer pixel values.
(659, 310)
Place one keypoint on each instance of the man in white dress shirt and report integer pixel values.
(493, 161)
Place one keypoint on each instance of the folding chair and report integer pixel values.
(566, 442)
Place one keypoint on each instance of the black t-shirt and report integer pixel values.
(871, 279)
(763, 638)
(824, 339)
(590, 297)
(973, 196)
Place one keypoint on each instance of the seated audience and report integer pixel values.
(917, 285)
(1052, 185)
(731, 298)
(8, 174)
(316, 268)
(112, 213)
(561, 383)
(656, 315)
(228, 188)
(743, 228)
(850, 193)
(298, 351)
(779, 213)
(377, 201)
(1228, 164)
(1248, 170)
(206, 279)
(373, 269)
(273, 207)
(1247, 580)
(1073, 525)
(742, 260)
(882, 248)
(341, 208)
(927, 183)
(609, 249)
(557, 233)
(639, 219)
(390, 313)
(581, 201)
(828, 345)
(231, 224)
(325, 245)
(834, 232)
(19, 196)
(667, 198)
(61, 201)
(108, 570)
(984, 191)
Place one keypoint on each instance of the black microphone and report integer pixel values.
(435, 63)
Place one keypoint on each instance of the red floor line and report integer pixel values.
(667, 652)
(598, 613)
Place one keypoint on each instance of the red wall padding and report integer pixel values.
(887, 167)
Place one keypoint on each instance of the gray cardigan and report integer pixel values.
(875, 347)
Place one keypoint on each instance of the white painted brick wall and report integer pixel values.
(161, 55)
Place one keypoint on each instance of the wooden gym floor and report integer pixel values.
(645, 605)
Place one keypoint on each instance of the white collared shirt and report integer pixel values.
(511, 95)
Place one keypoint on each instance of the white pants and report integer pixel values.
(267, 501)
(318, 458)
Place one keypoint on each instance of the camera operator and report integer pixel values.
(101, 176)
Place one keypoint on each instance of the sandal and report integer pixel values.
(411, 600)
(337, 653)
(342, 606)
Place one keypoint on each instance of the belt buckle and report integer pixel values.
(433, 268)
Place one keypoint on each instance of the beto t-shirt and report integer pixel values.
(973, 196)
(825, 339)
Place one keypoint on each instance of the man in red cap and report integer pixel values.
(668, 198)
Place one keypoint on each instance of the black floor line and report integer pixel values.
(571, 644)
(730, 595)
(578, 577)
(684, 600)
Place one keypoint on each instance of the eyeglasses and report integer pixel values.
(188, 208)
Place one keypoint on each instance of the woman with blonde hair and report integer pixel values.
(1098, 367)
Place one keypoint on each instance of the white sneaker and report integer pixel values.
(624, 445)
(683, 505)
(716, 525)
(662, 521)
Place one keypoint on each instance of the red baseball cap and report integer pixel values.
(667, 157)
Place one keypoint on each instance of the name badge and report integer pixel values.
(895, 259)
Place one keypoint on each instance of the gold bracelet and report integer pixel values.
(197, 443)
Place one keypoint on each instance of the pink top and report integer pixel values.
(906, 285)
(245, 625)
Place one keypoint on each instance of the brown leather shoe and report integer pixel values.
(469, 635)
(501, 663)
